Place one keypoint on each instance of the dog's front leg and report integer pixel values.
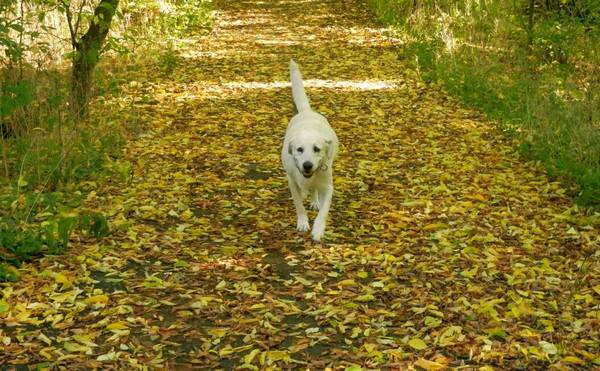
(302, 224)
(321, 219)
(315, 199)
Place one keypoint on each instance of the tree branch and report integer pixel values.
(83, 3)
(69, 15)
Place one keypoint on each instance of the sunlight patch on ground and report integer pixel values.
(277, 42)
(329, 84)
(197, 91)
(294, 2)
(215, 54)
(255, 21)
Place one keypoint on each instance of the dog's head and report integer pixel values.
(310, 152)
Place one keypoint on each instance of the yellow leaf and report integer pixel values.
(365, 298)
(117, 326)
(22, 182)
(574, 360)
(414, 203)
(469, 273)
(217, 332)
(44, 338)
(434, 226)
(278, 355)
(248, 358)
(97, 299)
(108, 357)
(85, 339)
(61, 278)
(303, 281)
(47, 352)
(349, 282)
(226, 350)
(74, 347)
(429, 365)
(417, 344)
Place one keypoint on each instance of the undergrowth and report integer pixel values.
(539, 77)
(49, 156)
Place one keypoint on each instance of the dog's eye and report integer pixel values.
(317, 149)
(300, 150)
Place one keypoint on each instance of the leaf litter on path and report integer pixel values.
(443, 248)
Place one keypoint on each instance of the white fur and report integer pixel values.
(310, 132)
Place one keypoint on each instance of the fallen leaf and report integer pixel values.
(417, 344)
(429, 365)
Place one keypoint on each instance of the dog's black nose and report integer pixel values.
(307, 166)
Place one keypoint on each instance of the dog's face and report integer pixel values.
(309, 151)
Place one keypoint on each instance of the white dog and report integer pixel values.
(309, 148)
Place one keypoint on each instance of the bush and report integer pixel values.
(41, 223)
(147, 19)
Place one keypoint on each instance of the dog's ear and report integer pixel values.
(290, 147)
(329, 148)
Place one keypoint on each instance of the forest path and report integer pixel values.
(443, 248)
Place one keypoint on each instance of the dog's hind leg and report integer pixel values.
(314, 196)
(302, 224)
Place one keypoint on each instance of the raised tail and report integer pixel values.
(298, 93)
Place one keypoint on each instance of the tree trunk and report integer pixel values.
(88, 53)
(530, 25)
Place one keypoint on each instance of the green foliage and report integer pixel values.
(8, 25)
(167, 60)
(33, 224)
(46, 150)
(23, 243)
(46, 145)
(14, 96)
(187, 16)
(65, 155)
(8, 273)
(147, 19)
(546, 95)
(95, 224)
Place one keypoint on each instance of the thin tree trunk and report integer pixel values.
(530, 25)
(5, 156)
(88, 53)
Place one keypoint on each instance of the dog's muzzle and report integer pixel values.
(307, 169)
(307, 175)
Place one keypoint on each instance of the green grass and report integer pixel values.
(546, 95)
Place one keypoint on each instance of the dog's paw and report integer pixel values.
(318, 231)
(315, 205)
(303, 225)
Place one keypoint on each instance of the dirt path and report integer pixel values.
(442, 245)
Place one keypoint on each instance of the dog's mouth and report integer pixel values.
(307, 175)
